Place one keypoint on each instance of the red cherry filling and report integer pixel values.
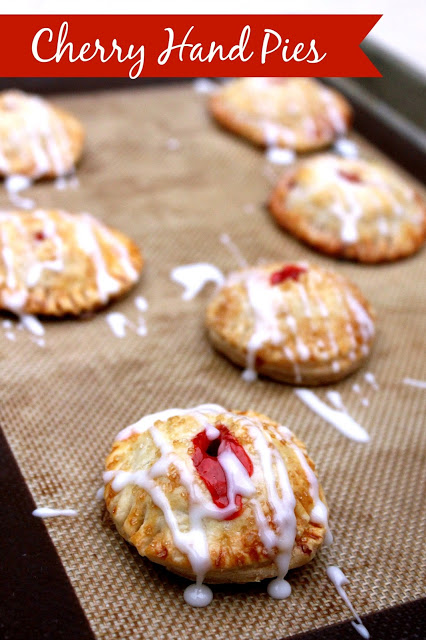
(350, 176)
(39, 236)
(290, 271)
(210, 470)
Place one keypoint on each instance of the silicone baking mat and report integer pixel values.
(158, 168)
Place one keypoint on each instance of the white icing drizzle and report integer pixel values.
(280, 155)
(194, 277)
(338, 578)
(341, 420)
(47, 512)
(365, 324)
(277, 536)
(370, 378)
(346, 148)
(281, 537)
(14, 184)
(234, 250)
(117, 323)
(420, 384)
(32, 324)
(319, 513)
(365, 402)
(141, 303)
(106, 284)
(265, 302)
(356, 388)
(26, 322)
(100, 493)
(148, 421)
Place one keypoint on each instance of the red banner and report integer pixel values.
(185, 45)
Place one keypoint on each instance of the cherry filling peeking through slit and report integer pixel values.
(289, 272)
(205, 459)
(350, 176)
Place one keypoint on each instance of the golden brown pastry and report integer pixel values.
(296, 113)
(37, 139)
(216, 496)
(350, 208)
(296, 323)
(55, 263)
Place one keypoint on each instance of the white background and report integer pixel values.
(402, 28)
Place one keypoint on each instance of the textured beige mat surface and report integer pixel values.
(63, 403)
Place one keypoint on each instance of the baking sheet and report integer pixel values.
(64, 402)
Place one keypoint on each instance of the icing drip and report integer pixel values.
(194, 277)
(32, 324)
(319, 513)
(198, 595)
(234, 250)
(420, 384)
(14, 184)
(282, 535)
(369, 377)
(141, 303)
(119, 323)
(265, 301)
(341, 420)
(46, 512)
(279, 155)
(338, 578)
(277, 533)
(346, 148)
